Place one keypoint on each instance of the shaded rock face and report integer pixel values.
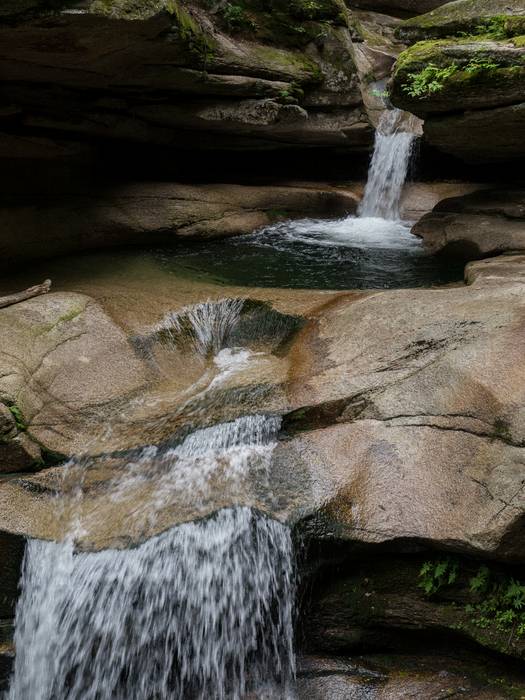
(176, 78)
(465, 77)
(477, 224)
(379, 603)
(152, 213)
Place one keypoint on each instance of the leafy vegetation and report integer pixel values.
(190, 31)
(236, 18)
(497, 600)
(432, 78)
(435, 575)
(429, 80)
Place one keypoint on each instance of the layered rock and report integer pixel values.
(482, 223)
(468, 87)
(153, 213)
(174, 76)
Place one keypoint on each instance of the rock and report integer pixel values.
(415, 7)
(379, 604)
(464, 16)
(154, 213)
(484, 136)
(19, 454)
(69, 366)
(398, 676)
(496, 270)
(410, 419)
(178, 79)
(478, 224)
(420, 198)
(470, 92)
(403, 423)
(482, 74)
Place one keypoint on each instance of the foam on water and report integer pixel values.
(350, 232)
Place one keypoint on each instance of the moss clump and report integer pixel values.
(197, 41)
(17, 414)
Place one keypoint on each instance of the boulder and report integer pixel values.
(402, 414)
(482, 223)
(465, 17)
(470, 93)
(64, 366)
(480, 136)
(410, 418)
(453, 75)
(153, 213)
(393, 7)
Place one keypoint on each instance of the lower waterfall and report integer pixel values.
(201, 611)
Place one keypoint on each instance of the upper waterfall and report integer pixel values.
(394, 141)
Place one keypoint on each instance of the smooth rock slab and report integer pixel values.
(477, 224)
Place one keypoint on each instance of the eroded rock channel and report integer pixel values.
(264, 436)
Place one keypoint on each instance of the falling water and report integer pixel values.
(395, 136)
(206, 326)
(202, 611)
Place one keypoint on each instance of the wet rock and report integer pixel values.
(481, 223)
(154, 212)
(403, 677)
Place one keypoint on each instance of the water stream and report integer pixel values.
(204, 610)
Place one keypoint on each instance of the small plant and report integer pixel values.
(435, 575)
(494, 28)
(502, 603)
(433, 78)
(429, 80)
(236, 19)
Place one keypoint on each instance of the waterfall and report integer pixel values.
(394, 141)
(205, 326)
(203, 611)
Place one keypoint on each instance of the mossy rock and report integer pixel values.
(458, 74)
(129, 9)
(498, 18)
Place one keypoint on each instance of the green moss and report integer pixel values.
(18, 416)
(197, 41)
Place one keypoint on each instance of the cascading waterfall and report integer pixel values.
(203, 611)
(394, 142)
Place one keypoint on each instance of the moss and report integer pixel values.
(293, 62)
(197, 41)
(519, 41)
(17, 414)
